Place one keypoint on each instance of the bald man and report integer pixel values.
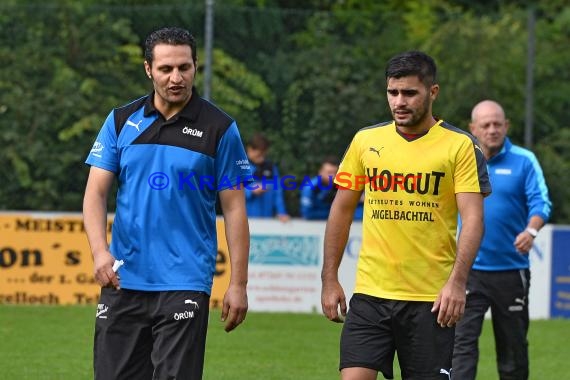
(500, 277)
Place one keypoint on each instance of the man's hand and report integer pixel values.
(523, 242)
(332, 295)
(450, 304)
(103, 269)
(234, 307)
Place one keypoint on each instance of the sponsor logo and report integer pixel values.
(243, 164)
(187, 314)
(190, 302)
(377, 151)
(385, 180)
(520, 305)
(134, 125)
(279, 250)
(97, 149)
(446, 372)
(503, 171)
(410, 216)
(101, 311)
(192, 132)
(478, 148)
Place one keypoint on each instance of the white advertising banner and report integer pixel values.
(540, 272)
(284, 265)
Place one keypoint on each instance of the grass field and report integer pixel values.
(51, 343)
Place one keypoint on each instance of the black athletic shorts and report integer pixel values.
(375, 329)
(150, 335)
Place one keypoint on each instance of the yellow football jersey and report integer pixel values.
(410, 213)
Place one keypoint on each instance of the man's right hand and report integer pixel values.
(103, 270)
(332, 295)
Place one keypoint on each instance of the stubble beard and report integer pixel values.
(417, 116)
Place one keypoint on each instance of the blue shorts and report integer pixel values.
(375, 329)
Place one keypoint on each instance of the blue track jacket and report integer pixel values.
(271, 202)
(519, 192)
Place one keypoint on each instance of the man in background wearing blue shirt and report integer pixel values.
(264, 197)
(500, 277)
(316, 199)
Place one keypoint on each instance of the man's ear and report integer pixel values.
(147, 69)
(434, 91)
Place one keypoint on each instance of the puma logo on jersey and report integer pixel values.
(377, 151)
(134, 125)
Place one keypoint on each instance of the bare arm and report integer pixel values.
(235, 305)
(451, 300)
(336, 236)
(95, 221)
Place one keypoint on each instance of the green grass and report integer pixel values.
(51, 343)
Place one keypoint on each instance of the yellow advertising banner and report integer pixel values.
(45, 260)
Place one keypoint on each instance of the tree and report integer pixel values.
(59, 75)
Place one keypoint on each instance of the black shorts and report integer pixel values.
(150, 335)
(375, 329)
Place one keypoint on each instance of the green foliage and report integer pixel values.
(60, 79)
(488, 62)
(238, 91)
(553, 153)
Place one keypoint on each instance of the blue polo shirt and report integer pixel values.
(169, 172)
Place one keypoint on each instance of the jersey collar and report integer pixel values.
(189, 112)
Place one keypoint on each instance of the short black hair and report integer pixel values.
(169, 36)
(333, 160)
(413, 63)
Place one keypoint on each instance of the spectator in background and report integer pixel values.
(264, 197)
(316, 199)
(500, 276)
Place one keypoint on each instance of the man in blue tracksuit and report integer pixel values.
(264, 196)
(500, 276)
(316, 198)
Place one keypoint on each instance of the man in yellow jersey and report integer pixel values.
(417, 173)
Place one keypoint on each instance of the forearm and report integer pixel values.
(536, 222)
(336, 237)
(237, 236)
(467, 247)
(95, 221)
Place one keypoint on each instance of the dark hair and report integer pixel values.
(333, 160)
(413, 63)
(259, 142)
(169, 36)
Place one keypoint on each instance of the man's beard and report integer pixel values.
(417, 116)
